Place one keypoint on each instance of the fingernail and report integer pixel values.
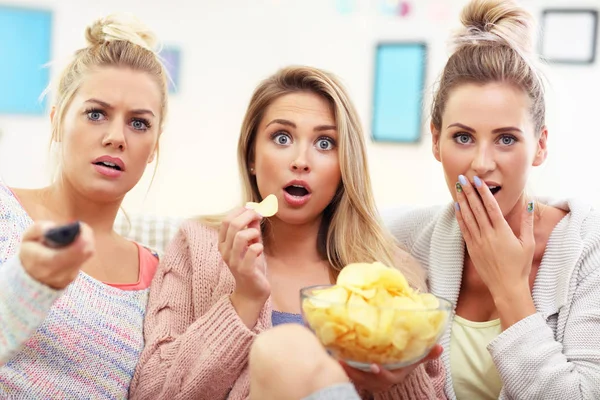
(477, 181)
(457, 206)
(375, 368)
(458, 187)
(530, 207)
(462, 179)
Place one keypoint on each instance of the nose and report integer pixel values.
(483, 162)
(300, 162)
(115, 136)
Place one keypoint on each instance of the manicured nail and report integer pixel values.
(477, 181)
(462, 180)
(375, 368)
(457, 206)
(530, 207)
(458, 187)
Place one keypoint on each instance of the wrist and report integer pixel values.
(247, 308)
(514, 305)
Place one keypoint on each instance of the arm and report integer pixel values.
(534, 365)
(185, 357)
(24, 304)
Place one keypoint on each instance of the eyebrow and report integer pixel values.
(498, 130)
(106, 105)
(319, 128)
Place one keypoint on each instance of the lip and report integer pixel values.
(491, 183)
(296, 201)
(299, 183)
(115, 160)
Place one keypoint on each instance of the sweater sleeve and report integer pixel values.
(184, 356)
(534, 365)
(24, 304)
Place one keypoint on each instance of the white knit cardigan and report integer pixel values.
(553, 354)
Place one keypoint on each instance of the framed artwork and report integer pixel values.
(25, 52)
(569, 36)
(171, 57)
(400, 69)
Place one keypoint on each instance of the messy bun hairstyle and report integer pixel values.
(117, 40)
(495, 44)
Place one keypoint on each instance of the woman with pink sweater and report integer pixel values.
(225, 280)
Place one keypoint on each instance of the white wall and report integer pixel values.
(228, 46)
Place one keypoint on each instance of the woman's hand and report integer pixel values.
(241, 247)
(55, 268)
(381, 379)
(502, 260)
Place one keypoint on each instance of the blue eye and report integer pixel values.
(140, 125)
(95, 115)
(281, 139)
(507, 140)
(462, 138)
(325, 144)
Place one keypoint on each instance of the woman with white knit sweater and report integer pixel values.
(524, 274)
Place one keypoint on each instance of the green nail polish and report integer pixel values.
(530, 206)
(458, 187)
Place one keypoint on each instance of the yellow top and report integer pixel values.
(474, 374)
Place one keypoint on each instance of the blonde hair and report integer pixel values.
(113, 41)
(496, 44)
(351, 230)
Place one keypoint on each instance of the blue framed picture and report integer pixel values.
(400, 69)
(171, 57)
(25, 53)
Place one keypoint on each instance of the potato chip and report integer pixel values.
(267, 208)
(372, 315)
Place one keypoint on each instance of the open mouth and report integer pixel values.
(296, 190)
(495, 189)
(109, 165)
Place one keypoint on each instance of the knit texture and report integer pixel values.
(82, 342)
(553, 354)
(197, 347)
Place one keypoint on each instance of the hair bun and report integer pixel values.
(500, 21)
(116, 27)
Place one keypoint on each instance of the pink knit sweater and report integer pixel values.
(197, 346)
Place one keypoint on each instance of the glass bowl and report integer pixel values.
(361, 332)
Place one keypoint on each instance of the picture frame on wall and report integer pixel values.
(569, 36)
(24, 74)
(171, 58)
(400, 69)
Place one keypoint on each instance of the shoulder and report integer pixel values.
(14, 220)
(197, 243)
(409, 224)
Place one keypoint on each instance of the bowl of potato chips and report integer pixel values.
(372, 316)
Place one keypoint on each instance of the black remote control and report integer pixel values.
(62, 236)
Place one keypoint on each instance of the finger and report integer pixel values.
(358, 377)
(461, 224)
(255, 224)
(249, 262)
(225, 224)
(475, 205)
(37, 230)
(435, 353)
(494, 213)
(526, 235)
(239, 223)
(242, 240)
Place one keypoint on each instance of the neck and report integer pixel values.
(66, 204)
(286, 242)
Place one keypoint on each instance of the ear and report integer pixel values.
(435, 142)
(542, 148)
(52, 114)
(153, 155)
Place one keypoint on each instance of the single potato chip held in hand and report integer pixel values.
(372, 315)
(267, 208)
